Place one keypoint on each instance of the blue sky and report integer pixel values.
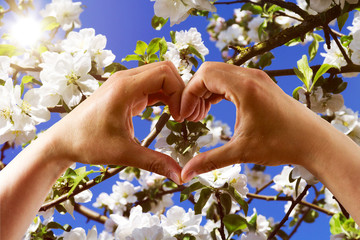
(124, 22)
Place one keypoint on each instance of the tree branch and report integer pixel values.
(276, 198)
(311, 22)
(315, 68)
(286, 217)
(90, 214)
(156, 130)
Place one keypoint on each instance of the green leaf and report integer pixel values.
(147, 113)
(196, 53)
(173, 36)
(49, 23)
(172, 138)
(174, 126)
(158, 22)
(170, 184)
(226, 202)
(322, 70)
(342, 20)
(132, 57)
(114, 67)
(187, 191)
(81, 175)
(311, 216)
(317, 37)
(295, 93)
(195, 127)
(204, 197)
(153, 46)
(236, 196)
(252, 223)
(303, 67)
(342, 86)
(24, 80)
(265, 60)
(163, 47)
(10, 50)
(194, 61)
(153, 58)
(313, 49)
(234, 223)
(299, 74)
(55, 225)
(140, 48)
(255, 9)
(336, 223)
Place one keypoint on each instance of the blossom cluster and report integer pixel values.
(64, 73)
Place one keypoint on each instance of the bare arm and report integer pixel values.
(271, 129)
(98, 131)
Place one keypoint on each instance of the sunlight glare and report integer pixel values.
(26, 32)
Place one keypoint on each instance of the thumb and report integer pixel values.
(153, 161)
(210, 160)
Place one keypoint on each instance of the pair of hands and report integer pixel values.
(270, 129)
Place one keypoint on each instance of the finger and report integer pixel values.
(196, 112)
(202, 111)
(210, 160)
(160, 79)
(150, 160)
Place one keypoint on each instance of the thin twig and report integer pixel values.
(260, 190)
(90, 214)
(156, 130)
(221, 214)
(315, 68)
(286, 217)
(333, 35)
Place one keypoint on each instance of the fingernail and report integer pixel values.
(175, 178)
(190, 176)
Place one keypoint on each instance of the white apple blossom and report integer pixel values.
(230, 174)
(32, 228)
(137, 219)
(333, 56)
(104, 200)
(65, 77)
(300, 171)
(232, 35)
(262, 228)
(4, 67)
(18, 117)
(83, 197)
(355, 47)
(322, 102)
(320, 5)
(177, 221)
(295, 210)
(330, 203)
(241, 15)
(355, 23)
(86, 41)
(282, 183)
(178, 10)
(149, 233)
(218, 131)
(256, 179)
(123, 193)
(79, 234)
(254, 25)
(179, 52)
(345, 120)
(66, 12)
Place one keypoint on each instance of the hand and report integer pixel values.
(100, 130)
(271, 127)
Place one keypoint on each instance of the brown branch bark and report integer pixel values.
(286, 217)
(310, 23)
(90, 214)
(315, 68)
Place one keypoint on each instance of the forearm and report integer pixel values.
(25, 183)
(336, 163)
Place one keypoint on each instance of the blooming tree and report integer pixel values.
(47, 75)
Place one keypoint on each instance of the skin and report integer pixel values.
(271, 129)
(98, 131)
